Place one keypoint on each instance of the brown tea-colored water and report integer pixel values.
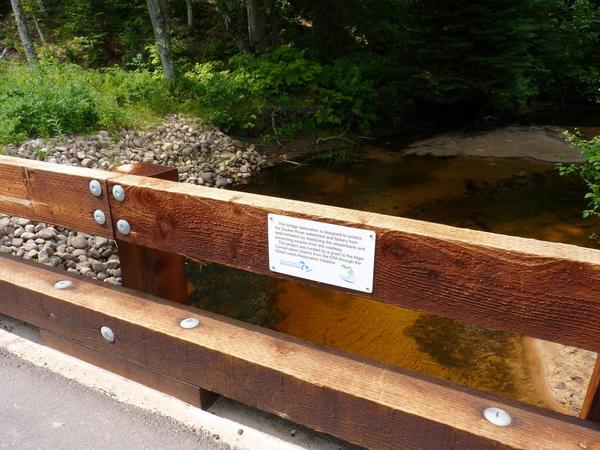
(517, 197)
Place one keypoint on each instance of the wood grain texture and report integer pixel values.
(155, 271)
(363, 402)
(590, 409)
(53, 193)
(145, 269)
(540, 289)
(127, 369)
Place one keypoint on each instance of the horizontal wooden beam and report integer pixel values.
(54, 193)
(170, 386)
(363, 402)
(541, 289)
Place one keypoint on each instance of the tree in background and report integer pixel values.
(24, 33)
(257, 34)
(158, 16)
(38, 17)
(430, 63)
(190, 13)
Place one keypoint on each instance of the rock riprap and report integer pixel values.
(92, 256)
(202, 156)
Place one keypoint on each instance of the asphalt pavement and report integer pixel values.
(42, 410)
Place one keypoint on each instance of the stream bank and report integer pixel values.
(542, 143)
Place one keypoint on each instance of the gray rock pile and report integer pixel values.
(92, 256)
(202, 156)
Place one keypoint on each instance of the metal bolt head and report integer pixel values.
(118, 192)
(63, 284)
(123, 226)
(99, 217)
(107, 334)
(497, 416)
(95, 188)
(189, 323)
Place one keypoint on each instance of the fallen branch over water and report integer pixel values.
(339, 137)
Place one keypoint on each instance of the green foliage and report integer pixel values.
(94, 32)
(589, 170)
(283, 87)
(568, 58)
(67, 99)
(329, 63)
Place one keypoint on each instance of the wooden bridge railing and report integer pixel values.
(544, 290)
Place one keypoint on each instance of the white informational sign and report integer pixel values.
(322, 252)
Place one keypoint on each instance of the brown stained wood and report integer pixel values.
(53, 193)
(545, 290)
(155, 271)
(127, 369)
(591, 403)
(145, 269)
(366, 403)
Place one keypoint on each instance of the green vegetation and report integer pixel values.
(68, 99)
(283, 92)
(280, 69)
(589, 171)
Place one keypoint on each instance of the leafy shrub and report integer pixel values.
(283, 87)
(44, 102)
(589, 171)
(68, 99)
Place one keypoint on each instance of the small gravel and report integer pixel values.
(202, 155)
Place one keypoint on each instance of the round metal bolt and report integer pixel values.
(96, 188)
(118, 192)
(189, 323)
(123, 226)
(107, 334)
(99, 217)
(497, 416)
(63, 284)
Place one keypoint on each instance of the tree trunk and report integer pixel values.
(223, 10)
(42, 7)
(190, 14)
(161, 34)
(256, 25)
(24, 33)
(39, 29)
(164, 11)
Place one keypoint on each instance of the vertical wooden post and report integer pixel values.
(590, 409)
(154, 271)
